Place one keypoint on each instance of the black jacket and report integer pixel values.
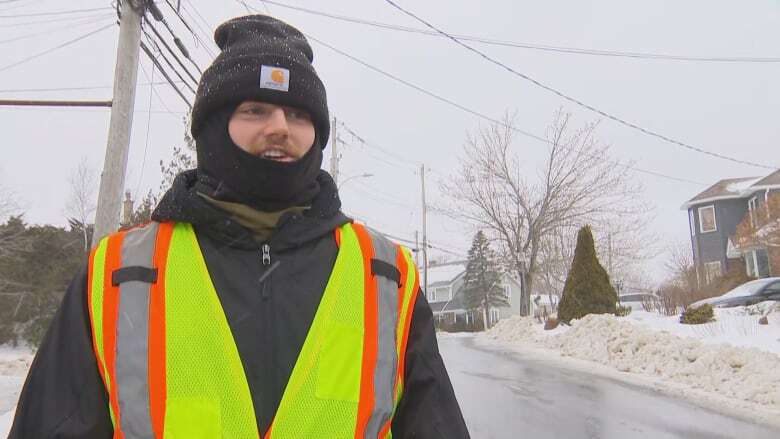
(64, 396)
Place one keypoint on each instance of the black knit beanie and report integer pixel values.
(262, 59)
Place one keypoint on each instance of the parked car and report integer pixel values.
(749, 293)
(637, 300)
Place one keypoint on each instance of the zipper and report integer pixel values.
(266, 254)
(267, 315)
(265, 289)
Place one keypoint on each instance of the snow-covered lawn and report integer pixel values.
(14, 363)
(733, 357)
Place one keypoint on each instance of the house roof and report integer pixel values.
(772, 179)
(437, 306)
(445, 273)
(724, 189)
(734, 188)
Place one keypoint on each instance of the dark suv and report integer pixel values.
(749, 293)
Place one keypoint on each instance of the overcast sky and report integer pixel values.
(726, 108)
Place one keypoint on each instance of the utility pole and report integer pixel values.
(424, 228)
(112, 179)
(417, 248)
(334, 153)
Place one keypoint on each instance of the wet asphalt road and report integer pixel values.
(507, 395)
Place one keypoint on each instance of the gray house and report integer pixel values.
(445, 282)
(713, 216)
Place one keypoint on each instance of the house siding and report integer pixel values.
(514, 300)
(711, 246)
(774, 261)
(456, 305)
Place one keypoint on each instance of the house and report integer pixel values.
(714, 216)
(444, 294)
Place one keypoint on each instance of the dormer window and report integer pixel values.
(707, 219)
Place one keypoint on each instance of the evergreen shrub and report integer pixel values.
(697, 316)
(587, 289)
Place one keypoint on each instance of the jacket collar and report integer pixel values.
(183, 204)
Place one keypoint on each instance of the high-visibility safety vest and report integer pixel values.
(171, 367)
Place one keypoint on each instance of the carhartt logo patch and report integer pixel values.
(275, 78)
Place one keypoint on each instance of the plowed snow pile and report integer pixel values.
(748, 374)
(14, 363)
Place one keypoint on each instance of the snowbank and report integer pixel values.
(5, 423)
(442, 334)
(14, 363)
(645, 345)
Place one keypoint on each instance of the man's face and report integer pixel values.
(273, 132)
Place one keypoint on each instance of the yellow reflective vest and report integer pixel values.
(171, 367)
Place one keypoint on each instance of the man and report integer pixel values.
(250, 306)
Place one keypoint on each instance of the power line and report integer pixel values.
(178, 114)
(42, 14)
(165, 74)
(388, 152)
(577, 101)
(184, 22)
(56, 20)
(148, 129)
(60, 46)
(207, 42)
(533, 46)
(52, 103)
(167, 61)
(171, 51)
(158, 16)
(376, 195)
(96, 87)
(153, 89)
(52, 30)
(481, 115)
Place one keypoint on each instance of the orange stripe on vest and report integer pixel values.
(371, 337)
(157, 366)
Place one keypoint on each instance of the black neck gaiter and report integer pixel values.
(232, 174)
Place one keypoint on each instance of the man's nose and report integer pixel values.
(277, 123)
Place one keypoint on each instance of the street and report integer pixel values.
(506, 395)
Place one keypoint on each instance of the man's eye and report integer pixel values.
(254, 111)
(298, 114)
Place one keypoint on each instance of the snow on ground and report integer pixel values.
(734, 357)
(14, 363)
(441, 334)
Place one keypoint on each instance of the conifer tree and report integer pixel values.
(587, 289)
(482, 288)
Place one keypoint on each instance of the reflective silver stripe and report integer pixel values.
(132, 340)
(387, 361)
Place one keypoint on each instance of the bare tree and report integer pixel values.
(8, 204)
(535, 221)
(82, 201)
(184, 158)
(681, 267)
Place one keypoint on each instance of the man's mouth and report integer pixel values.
(277, 156)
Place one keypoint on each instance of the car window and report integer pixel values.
(772, 289)
(747, 289)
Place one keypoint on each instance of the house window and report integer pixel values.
(753, 210)
(441, 294)
(692, 222)
(494, 316)
(707, 219)
(757, 263)
(507, 293)
(711, 271)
